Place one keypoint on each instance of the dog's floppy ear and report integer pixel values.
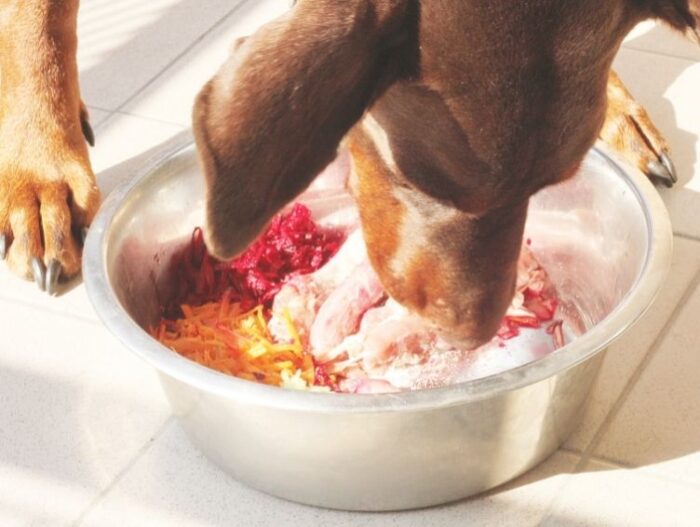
(275, 113)
(683, 15)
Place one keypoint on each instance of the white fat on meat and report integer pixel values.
(302, 296)
(340, 314)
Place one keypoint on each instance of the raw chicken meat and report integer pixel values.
(302, 296)
(375, 345)
(340, 315)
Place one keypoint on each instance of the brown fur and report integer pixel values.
(347, 57)
(377, 205)
(480, 105)
(628, 128)
(47, 188)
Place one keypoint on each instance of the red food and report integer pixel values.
(542, 306)
(293, 244)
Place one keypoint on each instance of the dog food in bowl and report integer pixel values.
(604, 239)
(303, 309)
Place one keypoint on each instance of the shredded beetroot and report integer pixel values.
(293, 244)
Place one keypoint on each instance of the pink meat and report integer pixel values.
(378, 346)
(398, 333)
(368, 386)
(340, 315)
(303, 296)
(391, 348)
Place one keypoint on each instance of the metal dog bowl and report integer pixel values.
(605, 239)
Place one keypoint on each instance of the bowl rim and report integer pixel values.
(117, 320)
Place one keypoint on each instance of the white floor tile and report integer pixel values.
(660, 38)
(607, 496)
(171, 95)
(123, 44)
(173, 484)
(97, 116)
(658, 426)
(72, 299)
(668, 87)
(626, 354)
(75, 409)
(123, 142)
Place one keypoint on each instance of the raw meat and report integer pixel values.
(375, 345)
(302, 308)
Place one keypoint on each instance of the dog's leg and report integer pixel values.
(47, 189)
(629, 130)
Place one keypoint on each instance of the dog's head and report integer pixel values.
(483, 104)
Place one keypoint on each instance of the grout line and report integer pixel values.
(587, 454)
(184, 52)
(618, 465)
(120, 108)
(659, 53)
(123, 472)
(609, 461)
(651, 353)
(98, 108)
(69, 315)
(152, 119)
(100, 126)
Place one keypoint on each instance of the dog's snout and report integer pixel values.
(476, 321)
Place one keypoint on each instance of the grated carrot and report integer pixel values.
(218, 335)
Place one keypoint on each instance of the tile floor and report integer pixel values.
(86, 437)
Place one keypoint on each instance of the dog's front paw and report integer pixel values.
(629, 130)
(48, 197)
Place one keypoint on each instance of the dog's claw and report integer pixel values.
(88, 132)
(3, 247)
(660, 172)
(39, 272)
(670, 166)
(53, 273)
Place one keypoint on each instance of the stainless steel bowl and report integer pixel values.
(605, 239)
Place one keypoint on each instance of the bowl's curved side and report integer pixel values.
(384, 461)
(382, 452)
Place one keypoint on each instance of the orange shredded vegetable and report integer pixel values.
(222, 337)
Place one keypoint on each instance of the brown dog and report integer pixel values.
(455, 112)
